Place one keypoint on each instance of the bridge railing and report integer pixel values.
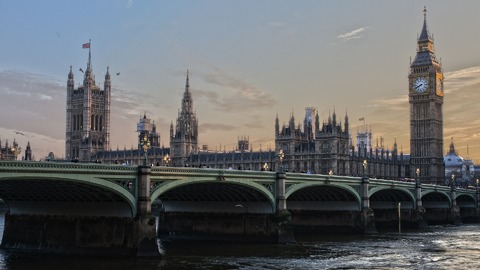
(12, 166)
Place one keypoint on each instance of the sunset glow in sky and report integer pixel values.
(248, 61)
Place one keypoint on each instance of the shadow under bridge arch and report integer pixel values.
(389, 198)
(323, 198)
(80, 195)
(212, 197)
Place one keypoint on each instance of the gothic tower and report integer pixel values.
(426, 118)
(28, 152)
(184, 137)
(88, 115)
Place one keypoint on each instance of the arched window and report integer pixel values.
(74, 124)
(96, 123)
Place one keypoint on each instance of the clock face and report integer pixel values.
(439, 87)
(420, 85)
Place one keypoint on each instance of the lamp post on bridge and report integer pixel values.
(265, 167)
(417, 179)
(145, 143)
(15, 150)
(280, 156)
(367, 216)
(166, 160)
(364, 168)
(282, 215)
(453, 185)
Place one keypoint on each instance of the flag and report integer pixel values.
(361, 119)
(86, 45)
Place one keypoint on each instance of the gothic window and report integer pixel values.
(74, 124)
(97, 122)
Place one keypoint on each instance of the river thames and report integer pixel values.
(438, 247)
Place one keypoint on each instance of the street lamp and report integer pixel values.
(364, 168)
(330, 172)
(265, 167)
(15, 150)
(417, 173)
(453, 180)
(281, 155)
(145, 143)
(166, 160)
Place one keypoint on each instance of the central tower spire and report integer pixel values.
(184, 141)
(425, 83)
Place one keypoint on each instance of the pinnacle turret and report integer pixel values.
(70, 74)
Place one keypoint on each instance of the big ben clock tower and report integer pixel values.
(425, 94)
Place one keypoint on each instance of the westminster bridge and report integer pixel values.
(115, 209)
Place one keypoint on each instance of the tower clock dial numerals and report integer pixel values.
(420, 85)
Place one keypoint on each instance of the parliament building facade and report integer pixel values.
(317, 147)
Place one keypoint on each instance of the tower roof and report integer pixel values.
(425, 34)
(425, 52)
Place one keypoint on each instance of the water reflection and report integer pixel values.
(450, 247)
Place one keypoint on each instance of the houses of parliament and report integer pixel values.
(315, 146)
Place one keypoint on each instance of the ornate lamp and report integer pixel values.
(166, 160)
(265, 167)
(15, 150)
(145, 143)
(280, 156)
(364, 168)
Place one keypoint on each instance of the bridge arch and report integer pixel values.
(466, 201)
(436, 199)
(322, 196)
(73, 194)
(385, 197)
(206, 195)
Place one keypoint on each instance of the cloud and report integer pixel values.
(396, 103)
(45, 97)
(33, 103)
(129, 4)
(354, 34)
(461, 108)
(237, 96)
(456, 80)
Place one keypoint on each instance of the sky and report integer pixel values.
(248, 61)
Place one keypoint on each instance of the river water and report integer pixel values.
(438, 247)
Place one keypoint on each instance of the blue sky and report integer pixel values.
(248, 61)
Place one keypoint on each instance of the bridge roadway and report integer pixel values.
(113, 209)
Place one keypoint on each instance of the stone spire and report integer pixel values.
(452, 148)
(277, 126)
(346, 123)
(425, 34)
(89, 79)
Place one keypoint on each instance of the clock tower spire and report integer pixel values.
(425, 82)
